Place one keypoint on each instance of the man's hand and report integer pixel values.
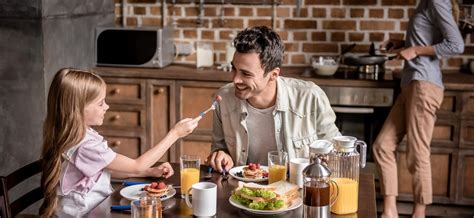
(219, 159)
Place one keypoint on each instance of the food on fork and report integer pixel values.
(156, 189)
(253, 171)
(276, 196)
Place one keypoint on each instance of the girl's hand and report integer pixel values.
(163, 170)
(185, 126)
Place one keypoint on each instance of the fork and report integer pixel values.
(212, 107)
(225, 174)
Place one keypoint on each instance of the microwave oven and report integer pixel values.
(134, 47)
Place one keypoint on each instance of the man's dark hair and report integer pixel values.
(263, 41)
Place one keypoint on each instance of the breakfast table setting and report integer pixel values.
(221, 204)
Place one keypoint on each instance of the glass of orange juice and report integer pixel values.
(277, 166)
(189, 169)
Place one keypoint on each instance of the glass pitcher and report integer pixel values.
(345, 163)
(319, 191)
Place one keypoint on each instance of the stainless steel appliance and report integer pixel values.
(134, 46)
(360, 111)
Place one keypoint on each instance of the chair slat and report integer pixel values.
(8, 209)
(23, 173)
(4, 207)
(26, 200)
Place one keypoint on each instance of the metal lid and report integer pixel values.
(316, 170)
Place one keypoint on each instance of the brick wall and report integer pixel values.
(322, 27)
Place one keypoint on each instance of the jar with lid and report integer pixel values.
(320, 149)
(319, 192)
(345, 164)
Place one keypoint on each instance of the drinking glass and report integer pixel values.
(277, 166)
(146, 207)
(189, 169)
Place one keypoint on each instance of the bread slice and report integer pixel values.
(255, 186)
(287, 189)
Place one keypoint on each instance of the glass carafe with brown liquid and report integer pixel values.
(320, 192)
(345, 163)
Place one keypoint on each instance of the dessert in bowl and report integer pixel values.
(325, 65)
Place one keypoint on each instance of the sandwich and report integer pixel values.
(275, 196)
(252, 171)
(156, 189)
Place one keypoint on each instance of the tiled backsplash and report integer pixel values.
(322, 27)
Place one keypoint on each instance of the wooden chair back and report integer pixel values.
(11, 209)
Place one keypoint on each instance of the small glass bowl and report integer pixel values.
(324, 65)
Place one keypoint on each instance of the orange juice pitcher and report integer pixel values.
(345, 163)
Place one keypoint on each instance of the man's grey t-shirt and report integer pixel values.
(260, 123)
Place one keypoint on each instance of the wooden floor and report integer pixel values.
(434, 210)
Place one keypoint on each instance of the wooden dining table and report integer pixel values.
(176, 206)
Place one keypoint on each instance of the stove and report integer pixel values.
(363, 72)
(360, 111)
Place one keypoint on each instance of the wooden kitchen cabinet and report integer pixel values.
(465, 193)
(443, 163)
(452, 152)
(161, 107)
(193, 98)
(124, 123)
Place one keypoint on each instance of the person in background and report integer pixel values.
(432, 34)
(77, 160)
(261, 111)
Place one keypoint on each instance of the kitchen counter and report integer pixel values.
(189, 72)
(452, 81)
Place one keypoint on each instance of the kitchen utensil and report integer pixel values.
(129, 183)
(212, 107)
(344, 51)
(367, 59)
(320, 192)
(225, 174)
(345, 163)
(371, 59)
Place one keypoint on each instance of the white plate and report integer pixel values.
(297, 202)
(233, 172)
(134, 192)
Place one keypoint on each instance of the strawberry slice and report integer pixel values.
(154, 185)
(161, 185)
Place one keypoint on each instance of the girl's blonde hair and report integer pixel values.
(70, 91)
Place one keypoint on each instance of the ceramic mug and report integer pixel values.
(204, 199)
(296, 170)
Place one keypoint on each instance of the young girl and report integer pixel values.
(77, 160)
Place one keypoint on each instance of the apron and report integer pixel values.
(77, 204)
